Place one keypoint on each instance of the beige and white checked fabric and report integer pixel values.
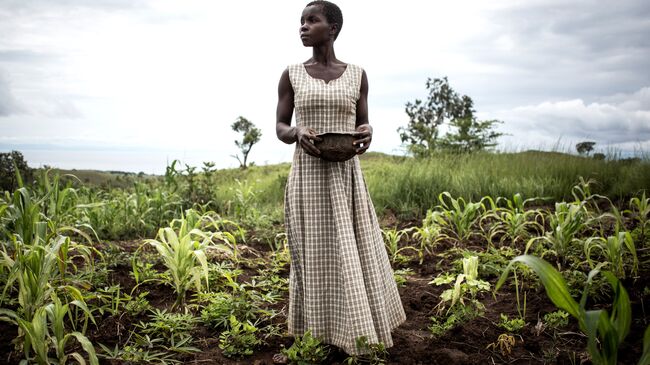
(341, 282)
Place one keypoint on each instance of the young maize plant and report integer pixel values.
(465, 283)
(568, 220)
(24, 216)
(184, 253)
(40, 339)
(430, 233)
(59, 204)
(392, 237)
(640, 209)
(460, 215)
(613, 249)
(601, 328)
(513, 221)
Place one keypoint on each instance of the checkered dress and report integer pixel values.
(341, 282)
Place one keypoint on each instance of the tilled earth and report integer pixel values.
(413, 342)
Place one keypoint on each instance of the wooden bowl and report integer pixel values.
(336, 147)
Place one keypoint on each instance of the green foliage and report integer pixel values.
(458, 214)
(251, 135)
(613, 249)
(566, 222)
(401, 275)
(169, 326)
(137, 354)
(392, 238)
(470, 135)
(223, 305)
(513, 222)
(13, 167)
(409, 187)
(557, 319)
(306, 350)
(45, 331)
(183, 253)
(369, 353)
(240, 339)
(466, 286)
(608, 330)
(454, 317)
(640, 210)
(444, 104)
(584, 148)
(514, 325)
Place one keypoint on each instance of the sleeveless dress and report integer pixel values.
(341, 282)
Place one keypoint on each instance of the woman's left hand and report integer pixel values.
(364, 137)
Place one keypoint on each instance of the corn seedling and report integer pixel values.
(392, 238)
(465, 283)
(41, 338)
(608, 330)
(568, 220)
(613, 249)
(513, 221)
(430, 233)
(460, 215)
(640, 209)
(183, 253)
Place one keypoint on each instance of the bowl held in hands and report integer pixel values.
(336, 146)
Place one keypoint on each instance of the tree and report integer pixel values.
(251, 135)
(470, 135)
(584, 148)
(443, 104)
(9, 161)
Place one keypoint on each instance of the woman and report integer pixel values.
(341, 284)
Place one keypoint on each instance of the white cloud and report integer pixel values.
(8, 103)
(173, 75)
(623, 122)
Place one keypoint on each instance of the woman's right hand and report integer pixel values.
(306, 137)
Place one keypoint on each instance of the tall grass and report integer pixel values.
(411, 186)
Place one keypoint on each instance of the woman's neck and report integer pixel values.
(324, 54)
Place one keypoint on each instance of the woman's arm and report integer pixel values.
(285, 132)
(364, 130)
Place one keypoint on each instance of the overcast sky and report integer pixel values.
(129, 85)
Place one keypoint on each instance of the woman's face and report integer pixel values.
(314, 27)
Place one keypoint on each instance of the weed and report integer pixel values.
(557, 319)
(401, 276)
(240, 339)
(169, 326)
(306, 350)
(514, 325)
(369, 353)
(504, 343)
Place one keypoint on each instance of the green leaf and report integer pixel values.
(553, 282)
(645, 357)
(87, 346)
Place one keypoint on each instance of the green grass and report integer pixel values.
(410, 187)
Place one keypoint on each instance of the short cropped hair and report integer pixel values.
(332, 12)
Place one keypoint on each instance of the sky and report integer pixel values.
(131, 85)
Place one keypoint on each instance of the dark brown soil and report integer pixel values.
(413, 342)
